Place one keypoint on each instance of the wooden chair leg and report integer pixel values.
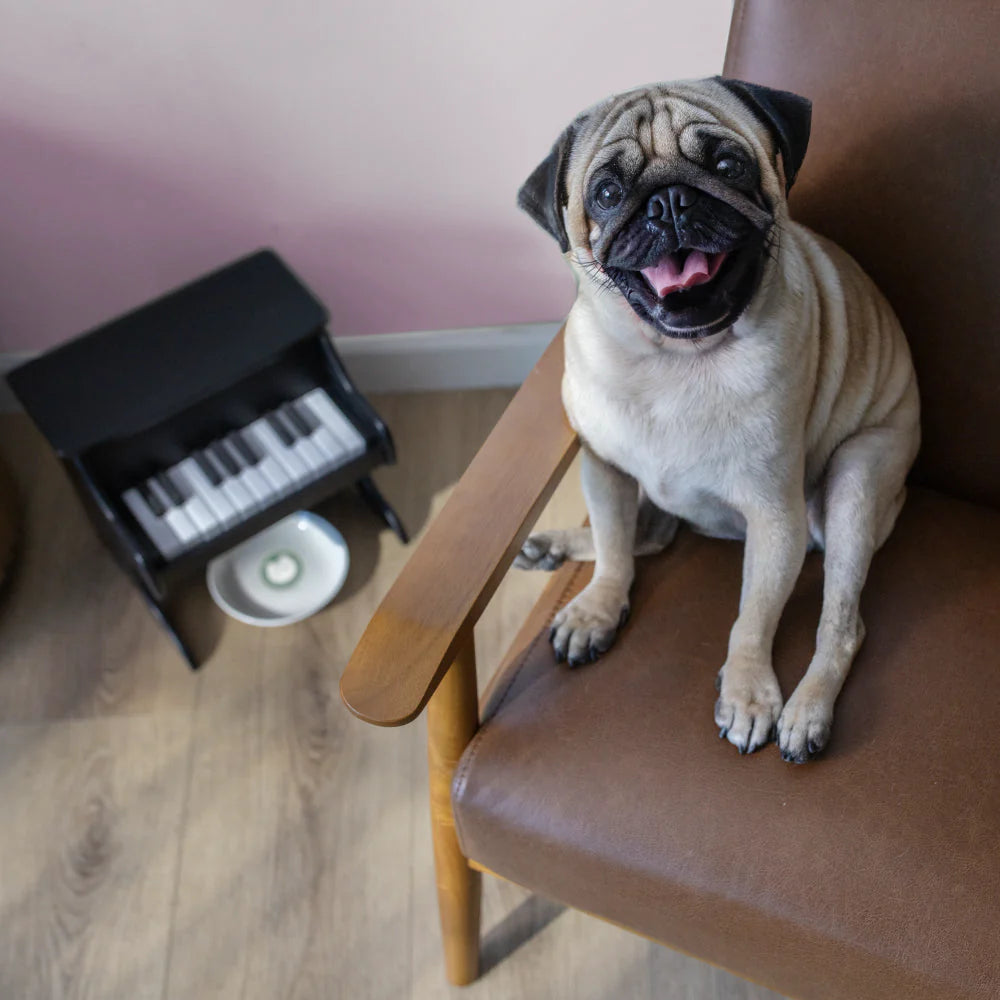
(452, 720)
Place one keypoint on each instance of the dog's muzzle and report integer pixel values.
(687, 258)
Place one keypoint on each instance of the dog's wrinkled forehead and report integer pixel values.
(655, 137)
(672, 125)
(649, 129)
(665, 121)
(653, 125)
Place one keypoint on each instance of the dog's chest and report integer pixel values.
(688, 441)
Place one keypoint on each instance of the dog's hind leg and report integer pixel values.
(548, 550)
(864, 491)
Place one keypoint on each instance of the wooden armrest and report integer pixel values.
(432, 607)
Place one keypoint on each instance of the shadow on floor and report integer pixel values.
(519, 926)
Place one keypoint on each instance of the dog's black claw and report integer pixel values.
(718, 681)
(723, 732)
(560, 654)
(623, 617)
(816, 746)
(552, 632)
(577, 661)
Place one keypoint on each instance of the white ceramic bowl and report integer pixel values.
(282, 575)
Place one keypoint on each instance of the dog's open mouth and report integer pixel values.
(690, 293)
(682, 270)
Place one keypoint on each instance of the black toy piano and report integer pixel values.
(198, 420)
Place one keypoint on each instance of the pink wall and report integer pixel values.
(377, 146)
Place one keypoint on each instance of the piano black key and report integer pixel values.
(329, 414)
(175, 496)
(311, 421)
(156, 492)
(331, 449)
(279, 428)
(302, 446)
(270, 468)
(152, 501)
(222, 456)
(207, 467)
(202, 517)
(294, 418)
(243, 448)
(209, 493)
(251, 477)
(176, 518)
(275, 448)
(233, 489)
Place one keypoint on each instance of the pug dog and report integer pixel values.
(725, 367)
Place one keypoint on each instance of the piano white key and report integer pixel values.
(257, 486)
(270, 468)
(230, 484)
(270, 442)
(302, 446)
(201, 516)
(319, 402)
(178, 521)
(213, 498)
(156, 529)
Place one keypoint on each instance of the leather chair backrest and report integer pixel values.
(903, 170)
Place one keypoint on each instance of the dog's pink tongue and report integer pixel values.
(665, 276)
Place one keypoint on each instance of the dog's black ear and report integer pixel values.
(787, 115)
(543, 195)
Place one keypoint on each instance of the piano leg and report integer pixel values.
(372, 496)
(160, 614)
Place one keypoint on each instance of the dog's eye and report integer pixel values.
(609, 194)
(730, 167)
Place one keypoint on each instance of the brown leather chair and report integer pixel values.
(873, 872)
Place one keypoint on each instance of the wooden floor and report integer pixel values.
(236, 833)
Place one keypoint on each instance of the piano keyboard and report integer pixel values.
(243, 472)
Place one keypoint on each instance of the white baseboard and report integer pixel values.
(479, 358)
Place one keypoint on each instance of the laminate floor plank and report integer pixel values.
(92, 812)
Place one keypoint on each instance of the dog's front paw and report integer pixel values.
(543, 550)
(804, 726)
(748, 705)
(587, 626)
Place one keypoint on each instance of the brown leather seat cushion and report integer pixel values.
(873, 872)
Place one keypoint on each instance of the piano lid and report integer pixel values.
(144, 367)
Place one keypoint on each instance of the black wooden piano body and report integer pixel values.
(213, 374)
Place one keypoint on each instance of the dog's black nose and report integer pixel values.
(666, 206)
